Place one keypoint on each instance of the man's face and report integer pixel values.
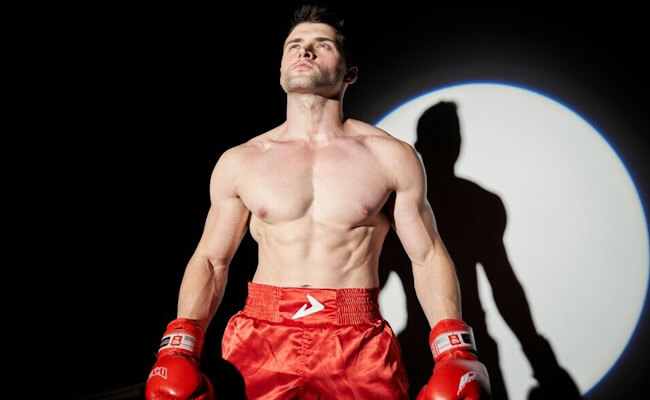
(311, 62)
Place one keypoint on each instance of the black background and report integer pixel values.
(120, 111)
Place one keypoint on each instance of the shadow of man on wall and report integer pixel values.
(471, 222)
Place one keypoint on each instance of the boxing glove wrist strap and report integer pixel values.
(182, 335)
(449, 335)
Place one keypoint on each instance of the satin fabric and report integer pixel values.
(344, 351)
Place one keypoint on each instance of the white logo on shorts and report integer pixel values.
(316, 306)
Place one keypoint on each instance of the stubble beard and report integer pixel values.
(305, 82)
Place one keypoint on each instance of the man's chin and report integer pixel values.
(301, 84)
(308, 86)
(304, 89)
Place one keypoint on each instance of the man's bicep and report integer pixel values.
(415, 226)
(224, 228)
(227, 218)
(412, 215)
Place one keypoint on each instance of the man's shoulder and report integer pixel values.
(235, 161)
(396, 157)
(251, 148)
(378, 140)
(374, 135)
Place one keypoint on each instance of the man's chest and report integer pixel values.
(339, 185)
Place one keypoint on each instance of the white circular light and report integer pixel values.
(576, 237)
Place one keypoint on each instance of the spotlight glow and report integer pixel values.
(576, 237)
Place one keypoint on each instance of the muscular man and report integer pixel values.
(318, 193)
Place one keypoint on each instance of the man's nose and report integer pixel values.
(306, 52)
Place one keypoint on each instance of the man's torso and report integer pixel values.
(318, 210)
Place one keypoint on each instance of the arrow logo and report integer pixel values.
(304, 311)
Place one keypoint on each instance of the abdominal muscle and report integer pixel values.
(309, 253)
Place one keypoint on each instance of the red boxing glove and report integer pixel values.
(457, 373)
(176, 374)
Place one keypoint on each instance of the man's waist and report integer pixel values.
(320, 273)
(312, 306)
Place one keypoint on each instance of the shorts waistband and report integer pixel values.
(312, 306)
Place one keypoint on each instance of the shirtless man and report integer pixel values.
(318, 193)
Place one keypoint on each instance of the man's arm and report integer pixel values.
(436, 285)
(457, 373)
(206, 273)
(176, 373)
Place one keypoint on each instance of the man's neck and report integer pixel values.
(312, 117)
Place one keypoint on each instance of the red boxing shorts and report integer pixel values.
(306, 343)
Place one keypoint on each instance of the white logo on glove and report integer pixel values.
(158, 371)
(464, 380)
(315, 307)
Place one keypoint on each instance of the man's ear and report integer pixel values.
(351, 75)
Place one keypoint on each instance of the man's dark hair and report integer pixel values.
(318, 14)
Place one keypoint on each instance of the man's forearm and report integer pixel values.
(436, 287)
(202, 289)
